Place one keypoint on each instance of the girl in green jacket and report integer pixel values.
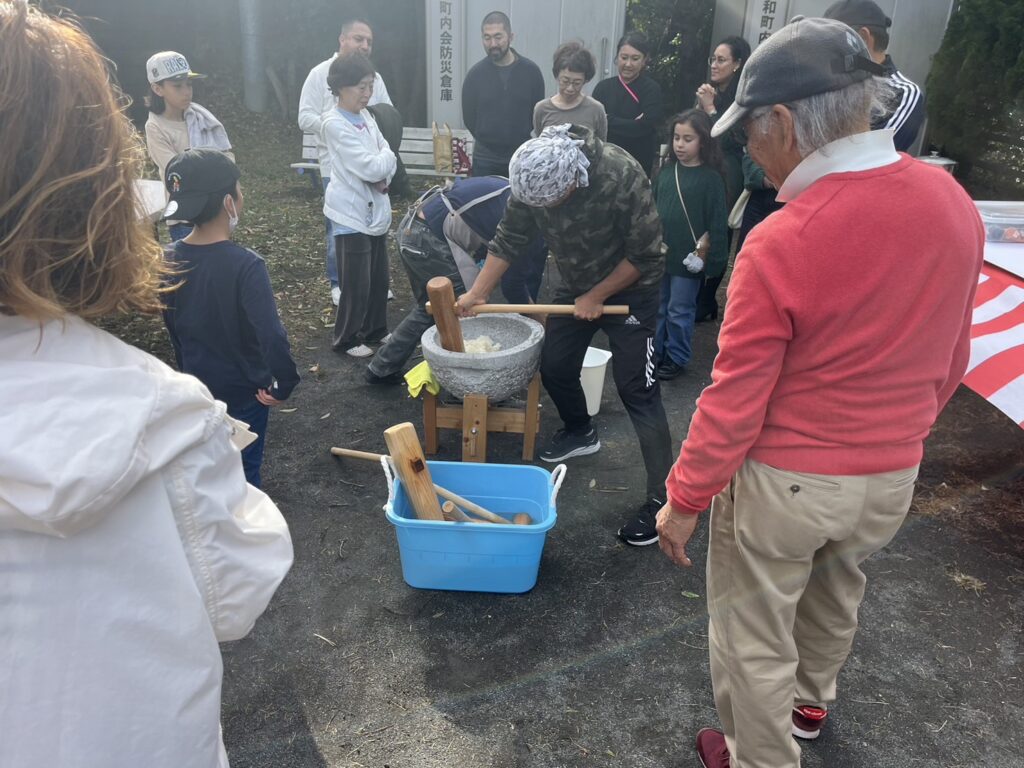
(690, 194)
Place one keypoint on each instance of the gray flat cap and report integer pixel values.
(806, 57)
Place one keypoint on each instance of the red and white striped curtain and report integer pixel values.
(996, 369)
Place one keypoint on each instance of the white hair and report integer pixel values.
(825, 117)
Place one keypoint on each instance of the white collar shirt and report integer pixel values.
(859, 152)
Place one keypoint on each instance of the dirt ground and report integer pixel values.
(604, 662)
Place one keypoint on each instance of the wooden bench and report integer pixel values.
(417, 152)
(310, 160)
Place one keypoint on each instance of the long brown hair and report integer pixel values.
(71, 238)
(710, 152)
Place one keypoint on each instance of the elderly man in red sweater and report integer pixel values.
(845, 335)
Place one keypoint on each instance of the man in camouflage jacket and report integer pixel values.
(592, 203)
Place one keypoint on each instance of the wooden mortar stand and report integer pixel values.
(476, 417)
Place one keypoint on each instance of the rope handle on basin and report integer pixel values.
(557, 476)
(385, 462)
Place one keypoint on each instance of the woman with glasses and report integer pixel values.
(573, 67)
(633, 101)
(714, 98)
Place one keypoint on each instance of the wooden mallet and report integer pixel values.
(522, 518)
(442, 296)
(411, 465)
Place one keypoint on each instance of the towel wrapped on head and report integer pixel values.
(545, 169)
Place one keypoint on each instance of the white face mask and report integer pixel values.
(232, 214)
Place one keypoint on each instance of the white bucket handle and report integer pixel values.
(557, 476)
(385, 462)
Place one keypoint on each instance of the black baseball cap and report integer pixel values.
(806, 57)
(858, 13)
(193, 176)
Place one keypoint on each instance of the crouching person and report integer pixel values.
(445, 233)
(131, 544)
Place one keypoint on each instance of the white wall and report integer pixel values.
(538, 26)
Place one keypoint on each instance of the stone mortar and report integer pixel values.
(499, 375)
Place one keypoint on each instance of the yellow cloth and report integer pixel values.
(419, 377)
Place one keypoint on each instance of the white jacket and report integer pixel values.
(316, 101)
(130, 544)
(359, 158)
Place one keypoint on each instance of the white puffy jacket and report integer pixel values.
(130, 544)
(359, 158)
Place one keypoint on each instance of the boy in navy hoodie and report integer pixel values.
(221, 315)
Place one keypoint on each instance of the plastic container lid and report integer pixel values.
(1003, 219)
(1008, 212)
(936, 159)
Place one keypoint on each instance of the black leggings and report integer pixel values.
(631, 339)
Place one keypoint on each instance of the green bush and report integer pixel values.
(680, 35)
(976, 97)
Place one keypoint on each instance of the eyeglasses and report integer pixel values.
(566, 82)
(712, 60)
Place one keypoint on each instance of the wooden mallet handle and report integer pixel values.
(456, 515)
(534, 309)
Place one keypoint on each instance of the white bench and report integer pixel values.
(417, 152)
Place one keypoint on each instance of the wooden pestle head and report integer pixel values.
(441, 293)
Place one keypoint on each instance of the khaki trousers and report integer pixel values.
(784, 585)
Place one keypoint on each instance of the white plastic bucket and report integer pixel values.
(592, 377)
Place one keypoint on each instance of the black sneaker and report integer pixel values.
(669, 370)
(383, 381)
(565, 445)
(640, 531)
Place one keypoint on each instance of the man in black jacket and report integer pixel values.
(905, 115)
(498, 96)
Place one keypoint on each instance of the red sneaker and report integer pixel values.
(711, 748)
(807, 721)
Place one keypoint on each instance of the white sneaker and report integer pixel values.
(336, 294)
(385, 340)
(391, 295)
(361, 351)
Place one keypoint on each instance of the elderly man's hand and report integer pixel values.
(588, 307)
(674, 531)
